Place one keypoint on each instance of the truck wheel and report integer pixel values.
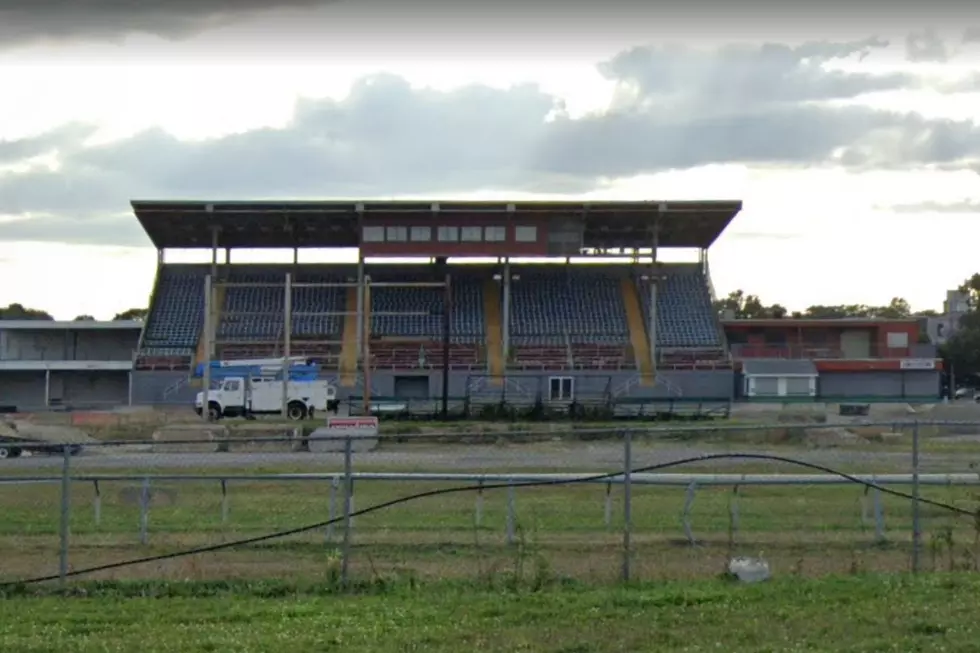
(4, 452)
(295, 410)
(214, 412)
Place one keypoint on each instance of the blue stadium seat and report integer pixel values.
(567, 305)
(685, 316)
(177, 315)
(266, 304)
(467, 321)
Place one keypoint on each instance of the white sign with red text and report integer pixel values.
(353, 427)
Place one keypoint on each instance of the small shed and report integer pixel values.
(779, 378)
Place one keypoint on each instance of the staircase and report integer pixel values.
(348, 348)
(638, 331)
(217, 308)
(495, 332)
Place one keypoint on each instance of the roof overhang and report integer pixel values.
(324, 224)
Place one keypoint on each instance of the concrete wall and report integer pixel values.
(58, 345)
(83, 389)
(896, 385)
(152, 388)
(527, 386)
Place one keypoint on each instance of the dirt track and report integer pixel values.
(546, 457)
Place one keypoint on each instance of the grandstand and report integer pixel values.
(629, 326)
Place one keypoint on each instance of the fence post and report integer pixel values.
(511, 516)
(732, 520)
(145, 510)
(348, 502)
(65, 514)
(627, 505)
(224, 501)
(334, 486)
(686, 516)
(608, 507)
(97, 503)
(478, 511)
(916, 500)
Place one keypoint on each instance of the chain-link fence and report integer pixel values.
(601, 504)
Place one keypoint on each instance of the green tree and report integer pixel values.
(749, 307)
(21, 312)
(132, 314)
(84, 318)
(961, 352)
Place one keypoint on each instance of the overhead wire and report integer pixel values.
(210, 548)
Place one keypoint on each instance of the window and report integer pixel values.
(472, 234)
(495, 234)
(561, 388)
(232, 385)
(526, 234)
(448, 234)
(397, 234)
(373, 234)
(897, 340)
(421, 234)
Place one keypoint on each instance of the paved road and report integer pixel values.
(571, 457)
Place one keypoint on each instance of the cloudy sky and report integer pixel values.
(852, 139)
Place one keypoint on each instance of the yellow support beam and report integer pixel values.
(495, 332)
(638, 331)
(348, 347)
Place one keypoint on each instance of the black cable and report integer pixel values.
(492, 486)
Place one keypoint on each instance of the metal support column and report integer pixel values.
(47, 388)
(360, 305)
(505, 327)
(287, 336)
(208, 344)
(654, 278)
(446, 336)
(365, 315)
(214, 252)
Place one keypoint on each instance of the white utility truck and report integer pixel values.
(249, 396)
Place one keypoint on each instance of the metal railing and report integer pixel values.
(342, 483)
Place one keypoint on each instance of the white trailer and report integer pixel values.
(244, 397)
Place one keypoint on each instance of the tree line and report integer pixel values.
(21, 312)
(751, 307)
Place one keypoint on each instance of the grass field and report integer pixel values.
(559, 532)
(842, 615)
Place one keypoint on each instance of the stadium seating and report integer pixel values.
(426, 356)
(561, 317)
(255, 313)
(175, 319)
(685, 316)
(408, 312)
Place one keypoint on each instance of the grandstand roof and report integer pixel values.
(266, 224)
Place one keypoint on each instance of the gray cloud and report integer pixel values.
(676, 109)
(66, 136)
(971, 34)
(964, 206)
(25, 22)
(925, 46)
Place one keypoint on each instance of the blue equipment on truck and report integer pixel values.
(299, 369)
